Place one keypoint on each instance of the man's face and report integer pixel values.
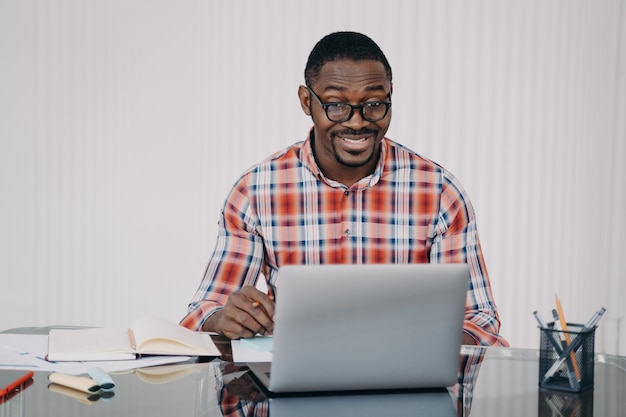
(347, 151)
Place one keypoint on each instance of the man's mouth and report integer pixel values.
(355, 137)
(354, 141)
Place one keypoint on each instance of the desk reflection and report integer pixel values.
(239, 397)
(424, 404)
(491, 382)
(555, 403)
(507, 385)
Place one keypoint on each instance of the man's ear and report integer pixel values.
(305, 99)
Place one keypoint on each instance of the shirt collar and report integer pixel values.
(308, 160)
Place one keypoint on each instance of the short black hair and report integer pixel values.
(343, 45)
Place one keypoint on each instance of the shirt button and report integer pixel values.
(346, 193)
(347, 232)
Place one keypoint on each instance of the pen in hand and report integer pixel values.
(258, 304)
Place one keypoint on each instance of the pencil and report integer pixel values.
(258, 303)
(568, 340)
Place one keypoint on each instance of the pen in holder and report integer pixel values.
(566, 366)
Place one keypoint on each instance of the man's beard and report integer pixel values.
(338, 158)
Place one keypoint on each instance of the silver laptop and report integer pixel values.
(366, 327)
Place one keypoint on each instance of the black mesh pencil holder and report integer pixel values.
(566, 366)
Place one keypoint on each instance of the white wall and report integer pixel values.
(123, 124)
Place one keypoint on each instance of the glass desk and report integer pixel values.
(496, 382)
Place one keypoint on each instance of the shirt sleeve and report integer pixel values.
(235, 262)
(456, 241)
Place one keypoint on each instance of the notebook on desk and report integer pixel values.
(365, 327)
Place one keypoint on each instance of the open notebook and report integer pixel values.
(366, 327)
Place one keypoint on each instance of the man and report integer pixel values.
(346, 194)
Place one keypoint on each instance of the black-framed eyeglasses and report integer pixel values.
(372, 111)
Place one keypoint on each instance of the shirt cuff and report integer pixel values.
(196, 317)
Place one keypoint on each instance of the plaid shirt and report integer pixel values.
(284, 211)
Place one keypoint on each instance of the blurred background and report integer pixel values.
(124, 123)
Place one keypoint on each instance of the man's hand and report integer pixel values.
(246, 313)
(468, 340)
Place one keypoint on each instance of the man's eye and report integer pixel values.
(374, 104)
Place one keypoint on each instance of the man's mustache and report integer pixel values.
(352, 132)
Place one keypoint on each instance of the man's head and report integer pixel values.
(348, 96)
(340, 46)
